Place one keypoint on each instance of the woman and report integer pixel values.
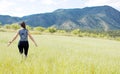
(23, 44)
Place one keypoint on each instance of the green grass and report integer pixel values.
(60, 55)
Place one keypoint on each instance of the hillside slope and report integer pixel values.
(92, 18)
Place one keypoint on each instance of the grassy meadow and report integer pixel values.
(60, 55)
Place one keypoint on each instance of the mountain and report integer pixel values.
(90, 18)
(6, 19)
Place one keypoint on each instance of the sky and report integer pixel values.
(22, 8)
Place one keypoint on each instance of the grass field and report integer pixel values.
(60, 55)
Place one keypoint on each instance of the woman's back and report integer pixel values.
(23, 34)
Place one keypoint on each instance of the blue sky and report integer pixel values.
(27, 7)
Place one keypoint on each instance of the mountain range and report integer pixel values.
(88, 18)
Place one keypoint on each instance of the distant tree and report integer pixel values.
(29, 27)
(76, 32)
(0, 23)
(61, 31)
(15, 26)
(41, 29)
(7, 26)
(52, 29)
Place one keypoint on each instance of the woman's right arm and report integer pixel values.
(32, 39)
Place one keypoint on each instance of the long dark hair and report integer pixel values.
(23, 25)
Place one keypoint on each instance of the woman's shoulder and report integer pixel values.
(19, 30)
(22, 29)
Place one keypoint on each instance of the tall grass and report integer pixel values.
(60, 55)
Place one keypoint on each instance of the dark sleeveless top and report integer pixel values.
(23, 34)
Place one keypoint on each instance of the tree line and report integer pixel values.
(113, 34)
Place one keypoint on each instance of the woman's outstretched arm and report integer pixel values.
(32, 39)
(16, 35)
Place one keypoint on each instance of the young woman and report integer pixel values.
(23, 44)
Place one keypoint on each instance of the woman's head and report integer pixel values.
(23, 25)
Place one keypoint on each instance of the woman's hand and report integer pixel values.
(9, 43)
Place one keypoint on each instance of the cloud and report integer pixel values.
(26, 7)
(48, 2)
(114, 3)
(95, 2)
(17, 7)
(5, 5)
(53, 2)
(32, 0)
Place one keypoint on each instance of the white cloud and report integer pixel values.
(54, 2)
(113, 3)
(16, 7)
(4, 5)
(26, 7)
(48, 2)
(96, 2)
(32, 0)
